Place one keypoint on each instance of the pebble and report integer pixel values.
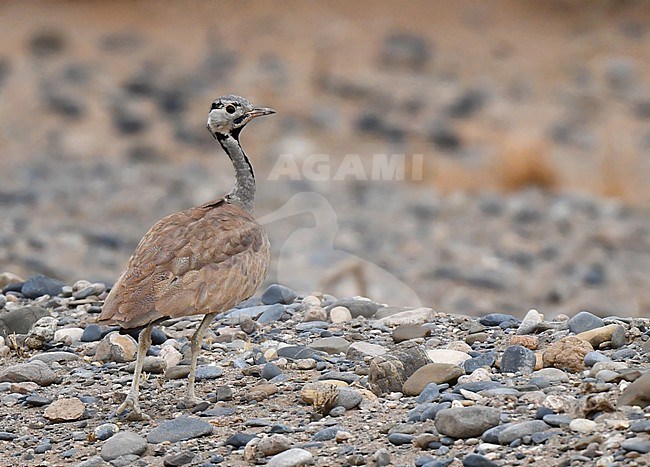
(36, 371)
(517, 359)
(637, 393)
(612, 333)
(330, 345)
(39, 285)
(93, 333)
(399, 439)
(278, 294)
(467, 422)
(273, 445)
(429, 393)
(65, 410)
(407, 332)
(106, 430)
(357, 307)
(583, 425)
(115, 347)
(477, 460)
(123, 443)
(179, 429)
(340, 314)
(325, 434)
(430, 373)
(410, 317)
(636, 444)
(291, 458)
(452, 357)
(567, 354)
(271, 314)
(20, 320)
(362, 350)
(530, 322)
(584, 321)
(519, 430)
(496, 319)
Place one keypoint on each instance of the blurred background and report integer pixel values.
(524, 127)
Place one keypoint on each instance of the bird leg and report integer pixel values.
(130, 404)
(195, 345)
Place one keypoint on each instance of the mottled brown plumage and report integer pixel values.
(203, 260)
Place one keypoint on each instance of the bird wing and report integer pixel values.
(201, 260)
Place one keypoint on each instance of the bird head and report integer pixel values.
(230, 113)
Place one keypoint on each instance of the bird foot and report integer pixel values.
(130, 409)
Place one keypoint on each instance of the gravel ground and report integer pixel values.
(337, 381)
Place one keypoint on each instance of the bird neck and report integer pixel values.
(243, 193)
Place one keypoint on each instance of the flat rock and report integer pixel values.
(179, 429)
(65, 410)
(20, 320)
(358, 306)
(413, 317)
(39, 285)
(467, 422)
(567, 354)
(518, 430)
(296, 352)
(495, 319)
(637, 393)
(431, 373)
(584, 321)
(271, 314)
(36, 371)
(614, 333)
(123, 443)
(407, 332)
(291, 458)
(59, 357)
(331, 345)
(361, 350)
(636, 444)
(553, 375)
(453, 357)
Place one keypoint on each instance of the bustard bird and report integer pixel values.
(203, 260)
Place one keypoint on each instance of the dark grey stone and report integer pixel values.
(557, 420)
(94, 333)
(594, 357)
(495, 319)
(271, 314)
(477, 460)
(182, 458)
(179, 429)
(270, 371)
(365, 308)
(37, 401)
(325, 434)
(35, 371)
(636, 444)
(639, 426)
(20, 320)
(429, 393)
(584, 321)
(39, 285)
(431, 412)
(518, 359)
(477, 386)
(400, 438)
(276, 293)
(208, 372)
(239, 440)
(485, 359)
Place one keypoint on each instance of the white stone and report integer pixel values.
(416, 317)
(453, 357)
(340, 314)
(291, 458)
(584, 425)
(73, 334)
(530, 322)
(170, 355)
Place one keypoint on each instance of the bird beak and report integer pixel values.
(258, 112)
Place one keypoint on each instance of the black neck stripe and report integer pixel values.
(223, 137)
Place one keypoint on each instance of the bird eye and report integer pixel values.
(230, 109)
